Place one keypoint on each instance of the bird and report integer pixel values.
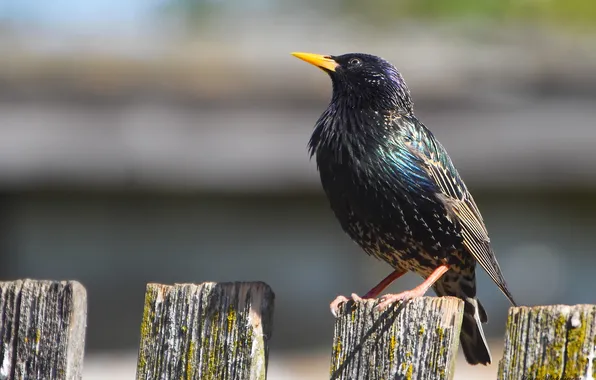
(396, 193)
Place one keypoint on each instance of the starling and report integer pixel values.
(396, 193)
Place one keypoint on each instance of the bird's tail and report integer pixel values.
(473, 341)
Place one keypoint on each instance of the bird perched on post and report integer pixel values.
(396, 193)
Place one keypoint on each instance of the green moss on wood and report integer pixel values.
(544, 371)
(260, 355)
(336, 354)
(215, 348)
(441, 335)
(147, 311)
(404, 367)
(190, 361)
(249, 337)
(392, 346)
(146, 323)
(231, 318)
(409, 372)
(553, 363)
(561, 333)
(576, 362)
(593, 363)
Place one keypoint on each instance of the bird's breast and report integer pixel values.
(401, 228)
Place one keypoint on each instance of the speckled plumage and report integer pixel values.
(395, 191)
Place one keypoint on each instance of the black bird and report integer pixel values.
(396, 193)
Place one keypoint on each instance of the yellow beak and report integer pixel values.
(321, 61)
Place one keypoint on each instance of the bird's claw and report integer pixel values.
(334, 306)
(356, 297)
(391, 298)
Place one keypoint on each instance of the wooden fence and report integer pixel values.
(220, 331)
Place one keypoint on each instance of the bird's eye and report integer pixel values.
(354, 62)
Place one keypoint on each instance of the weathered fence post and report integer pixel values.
(417, 339)
(550, 342)
(42, 329)
(207, 331)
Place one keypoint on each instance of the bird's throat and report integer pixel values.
(348, 133)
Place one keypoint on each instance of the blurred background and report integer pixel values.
(165, 141)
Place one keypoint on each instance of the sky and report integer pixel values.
(76, 14)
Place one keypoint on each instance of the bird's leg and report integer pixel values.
(371, 293)
(418, 291)
(374, 292)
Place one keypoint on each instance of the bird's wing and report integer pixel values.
(452, 192)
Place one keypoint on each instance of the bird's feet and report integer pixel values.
(403, 296)
(418, 291)
(388, 299)
(334, 306)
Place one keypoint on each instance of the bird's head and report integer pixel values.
(363, 81)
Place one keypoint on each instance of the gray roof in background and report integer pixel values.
(232, 110)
